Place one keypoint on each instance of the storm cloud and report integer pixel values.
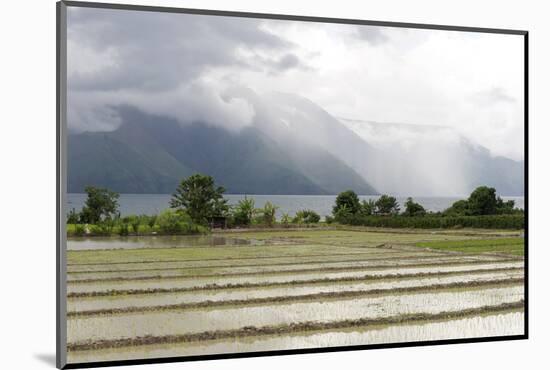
(160, 63)
(190, 67)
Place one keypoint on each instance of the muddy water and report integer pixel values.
(192, 297)
(162, 323)
(179, 241)
(480, 326)
(221, 280)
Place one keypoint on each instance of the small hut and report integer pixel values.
(218, 222)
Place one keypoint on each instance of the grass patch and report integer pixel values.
(514, 246)
(341, 237)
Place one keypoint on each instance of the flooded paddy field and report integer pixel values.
(271, 290)
(508, 323)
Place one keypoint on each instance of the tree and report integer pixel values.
(458, 208)
(285, 219)
(387, 205)
(505, 208)
(268, 213)
(413, 209)
(244, 211)
(368, 207)
(199, 198)
(101, 205)
(348, 200)
(482, 201)
(73, 217)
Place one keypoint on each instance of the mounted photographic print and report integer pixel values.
(238, 184)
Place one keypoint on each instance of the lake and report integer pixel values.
(322, 204)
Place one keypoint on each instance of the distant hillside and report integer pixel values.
(433, 160)
(151, 154)
(293, 146)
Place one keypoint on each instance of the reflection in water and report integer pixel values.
(163, 323)
(238, 294)
(201, 282)
(178, 241)
(479, 326)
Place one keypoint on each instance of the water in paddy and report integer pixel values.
(222, 280)
(322, 204)
(162, 323)
(238, 294)
(290, 269)
(178, 241)
(480, 326)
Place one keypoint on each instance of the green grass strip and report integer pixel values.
(238, 274)
(419, 264)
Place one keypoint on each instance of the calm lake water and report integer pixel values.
(322, 204)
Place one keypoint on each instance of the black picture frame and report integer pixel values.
(61, 186)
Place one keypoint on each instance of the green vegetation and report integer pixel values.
(483, 209)
(413, 209)
(100, 217)
(199, 198)
(514, 246)
(198, 204)
(101, 205)
(511, 222)
(347, 201)
(244, 212)
(268, 214)
(386, 205)
(306, 216)
(482, 201)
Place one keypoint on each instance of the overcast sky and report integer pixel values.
(186, 66)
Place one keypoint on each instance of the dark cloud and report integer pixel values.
(160, 50)
(374, 35)
(157, 61)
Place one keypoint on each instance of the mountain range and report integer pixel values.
(292, 146)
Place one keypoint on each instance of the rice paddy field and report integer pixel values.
(151, 297)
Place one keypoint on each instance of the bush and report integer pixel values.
(150, 220)
(169, 222)
(437, 222)
(306, 216)
(79, 230)
(123, 229)
(243, 213)
(134, 221)
(268, 213)
(73, 217)
(285, 220)
(104, 228)
(178, 222)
